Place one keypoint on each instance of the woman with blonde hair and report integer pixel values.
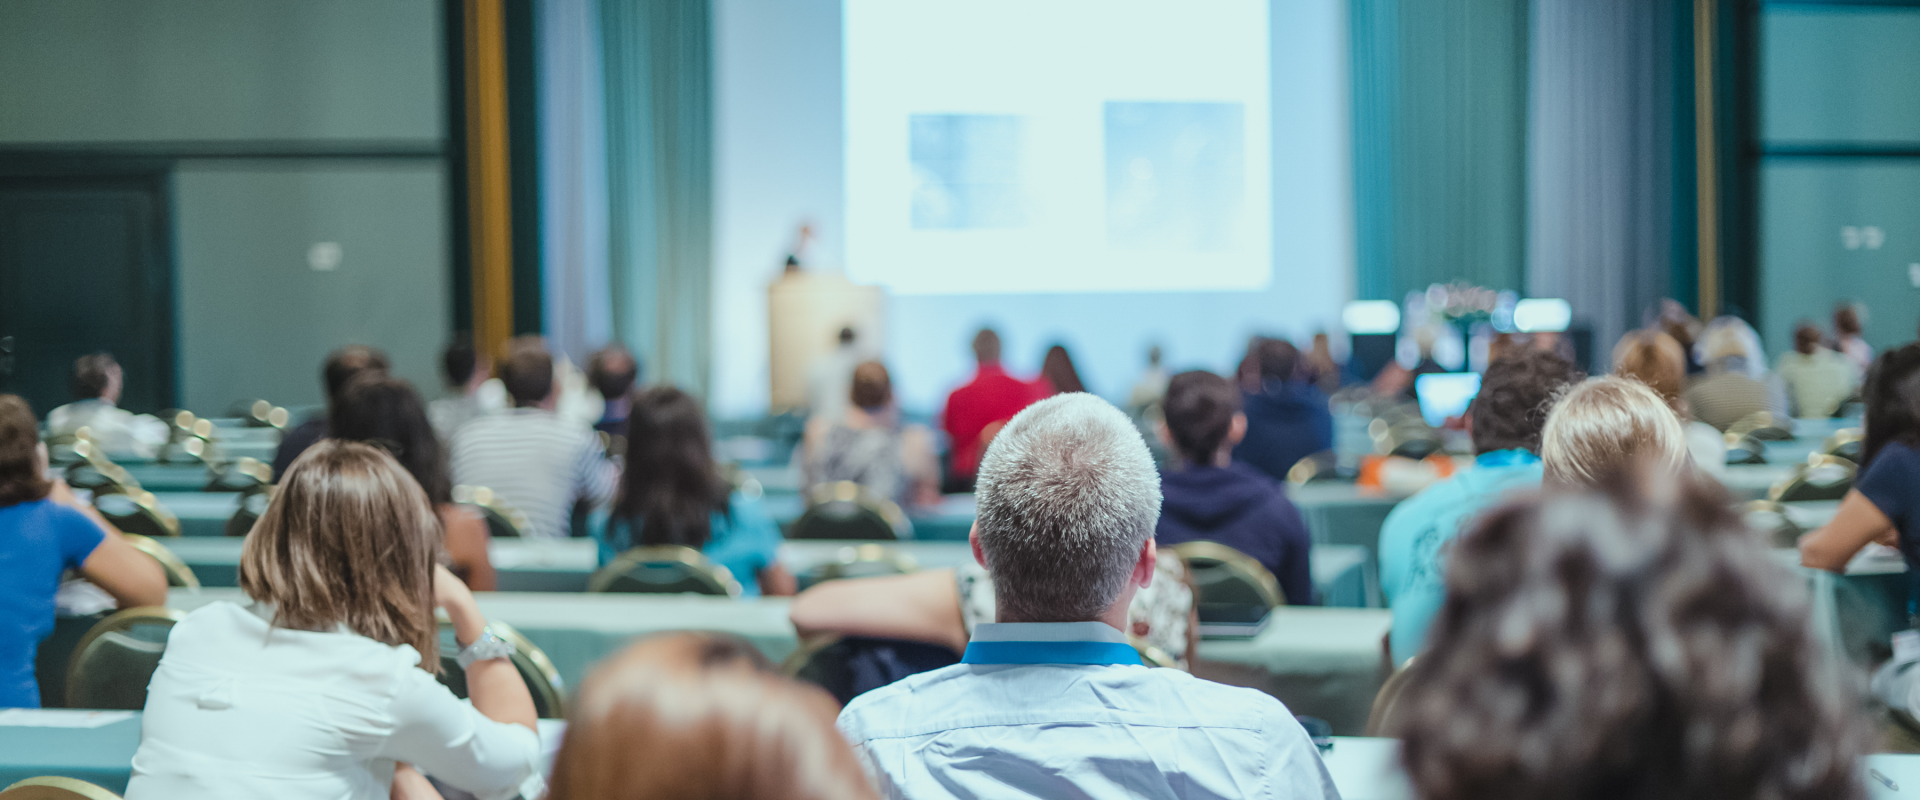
(324, 683)
(699, 715)
(1607, 426)
(1657, 359)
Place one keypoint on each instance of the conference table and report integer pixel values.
(49, 743)
(1341, 573)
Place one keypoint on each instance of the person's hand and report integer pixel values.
(409, 784)
(457, 600)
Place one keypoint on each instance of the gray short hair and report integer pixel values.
(1067, 496)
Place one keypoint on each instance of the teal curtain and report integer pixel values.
(1439, 121)
(658, 57)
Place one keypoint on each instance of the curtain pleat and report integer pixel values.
(573, 177)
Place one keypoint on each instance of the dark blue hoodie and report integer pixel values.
(1241, 507)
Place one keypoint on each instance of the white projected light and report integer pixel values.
(1542, 316)
(1371, 316)
(1007, 146)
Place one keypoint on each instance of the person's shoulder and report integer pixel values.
(884, 711)
(1213, 703)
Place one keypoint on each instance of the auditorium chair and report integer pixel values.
(55, 787)
(137, 512)
(178, 573)
(664, 569)
(1386, 704)
(860, 561)
(113, 663)
(847, 510)
(542, 679)
(849, 666)
(243, 474)
(1744, 449)
(262, 414)
(1821, 478)
(1229, 585)
(94, 472)
(502, 518)
(252, 505)
(1845, 443)
(1760, 425)
(1770, 520)
(1316, 467)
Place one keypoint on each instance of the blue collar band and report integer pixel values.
(979, 652)
(1506, 458)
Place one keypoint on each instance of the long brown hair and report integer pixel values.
(697, 715)
(671, 487)
(1637, 642)
(20, 478)
(349, 539)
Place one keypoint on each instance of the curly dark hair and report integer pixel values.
(1515, 395)
(1892, 398)
(1636, 642)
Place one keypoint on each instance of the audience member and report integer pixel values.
(1287, 420)
(1211, 497)
(1847, 339)
(672, 493)
(321, 683)
(44, 531)
(1635, 644)
(341, 367)
(830, 375)
(1057, 375)
(869, 445)
(1152, 385)
(385, 411)
(976, 410)
(468, 373)
(529, 456)
(1507, 417)
(1735, 385)
(1319, 368)
(700, 715)
(1817, 380)
(1050, 700)
(1653, 357)
(612, 371)
(1673, 319)
(1608, 426)
(96, 384)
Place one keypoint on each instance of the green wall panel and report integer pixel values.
(256, 319)
(1840, 75)
(1805, 264)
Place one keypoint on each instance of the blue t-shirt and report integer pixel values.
(1892, 484)
(38, 541)
(1413, 539)
(745, 540)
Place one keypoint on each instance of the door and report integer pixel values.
(84, 268)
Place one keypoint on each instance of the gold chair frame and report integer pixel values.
(56, 787)
(664, 554)
(120, 622)
(1816, 461)
(850, 492)
(1237, 562)
(490, 500)
(1792, 530)
(145, 505)
(867, 553)
(178, 573)
(1386, 701)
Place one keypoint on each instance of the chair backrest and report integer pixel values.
(1382, 718)
(137, 512)
(1845, 443)
(849, 666)
(542, 679)
(1230, 585)
(1153, 656)
(243, 474)
(664, 569)
(55, 787)
(1770, 520)
(252, 505)
(1760, 425)
(1744, 449)
(1316, 467)
(861, 561)
(847, 510)
(502, 518)
(178, 573)
(94, 472)
(262, 414)
(113, 663)
(1821, 478)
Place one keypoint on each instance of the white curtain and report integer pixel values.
(573, 177)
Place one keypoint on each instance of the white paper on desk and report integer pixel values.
(59, 718)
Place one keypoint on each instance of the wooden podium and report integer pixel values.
(805, 312)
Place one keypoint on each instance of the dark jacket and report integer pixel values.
(1285, 423)
(1242, 508)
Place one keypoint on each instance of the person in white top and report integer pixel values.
(1051, 700)
(323, 686)
(97, 379)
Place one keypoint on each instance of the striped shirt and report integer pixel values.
(536, 462)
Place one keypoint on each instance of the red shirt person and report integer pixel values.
(991, 397)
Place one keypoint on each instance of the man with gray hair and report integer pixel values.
(1051, 700)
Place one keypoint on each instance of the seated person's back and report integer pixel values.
(992, 396)
(1287, 420)
(1213, 498)
(1051, 701)
(868, 444)
(1817, 380)
(536, 461)
(96, 386)
(341, 367)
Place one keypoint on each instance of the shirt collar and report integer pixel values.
(1049, 643)
(1506, 458)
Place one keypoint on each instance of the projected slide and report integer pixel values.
(1057, 145)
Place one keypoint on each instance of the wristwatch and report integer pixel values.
(489, 645)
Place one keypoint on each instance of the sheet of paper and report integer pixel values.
(59, 718)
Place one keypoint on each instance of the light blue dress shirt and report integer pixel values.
(1064, 709)
(1412, 540)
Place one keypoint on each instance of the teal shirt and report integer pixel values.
(1414, 537)
(745, 541)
